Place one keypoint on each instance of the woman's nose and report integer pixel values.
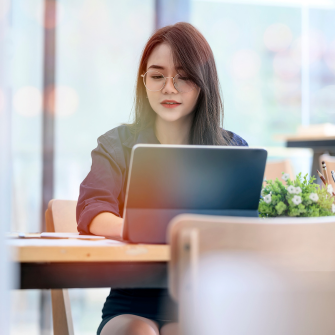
(169, 87)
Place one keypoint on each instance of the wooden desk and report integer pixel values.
(320, 145)
(69, 263)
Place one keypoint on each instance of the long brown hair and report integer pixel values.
(193, 54)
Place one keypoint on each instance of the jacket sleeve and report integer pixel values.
(101, 188)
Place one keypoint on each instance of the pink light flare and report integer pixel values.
(245, 64)
(278, 37)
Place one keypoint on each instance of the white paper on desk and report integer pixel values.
(58, 242)
(72, 235)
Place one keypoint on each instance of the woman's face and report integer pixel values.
(161, 60)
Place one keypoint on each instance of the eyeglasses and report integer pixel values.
(155, 81)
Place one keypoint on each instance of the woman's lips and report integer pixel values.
(170, 105)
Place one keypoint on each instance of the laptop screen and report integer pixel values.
(166, 180)
(196, 177)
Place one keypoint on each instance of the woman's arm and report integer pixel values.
(101, 193)
(106, 224)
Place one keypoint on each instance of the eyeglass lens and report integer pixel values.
(155, 81)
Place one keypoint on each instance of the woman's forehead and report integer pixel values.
(161, 52)
(161, 59)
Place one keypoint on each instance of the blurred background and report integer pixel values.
(276, 64)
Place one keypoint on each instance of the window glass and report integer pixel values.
(257, 53)
(25, 58)
(322, 65)
(99, 44)
(98, 49)
(26, 61)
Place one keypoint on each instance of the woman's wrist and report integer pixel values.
(106, 224)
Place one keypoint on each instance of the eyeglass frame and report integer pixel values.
(143, 75)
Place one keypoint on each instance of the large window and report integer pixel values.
(99, 43)
(26, 63)
(276, 65)
(322, 65)
(259, 48)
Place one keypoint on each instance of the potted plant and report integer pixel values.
(298, 198)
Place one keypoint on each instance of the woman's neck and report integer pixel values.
(177, 132)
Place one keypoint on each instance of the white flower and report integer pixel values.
(267, 198)
(314, 197)
(296, 200)
(297, 190)
(333, 208)
(291, 189)
(285, 176)
(330, 189)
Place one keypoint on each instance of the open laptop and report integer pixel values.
(167, 180)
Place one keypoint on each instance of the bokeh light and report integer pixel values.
(27, 101)
(278, 37)
(285, 66)
(67, 100)
(2, 101)
(316, 44)
(245, 64)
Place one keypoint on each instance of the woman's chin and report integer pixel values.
(170, 115)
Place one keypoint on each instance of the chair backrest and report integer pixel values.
(299, 244)
(61, 216)
(274, 169)
(330, 162)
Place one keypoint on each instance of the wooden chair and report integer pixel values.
(275, 169)
(61, 218)
(330, 162)
(297, 244)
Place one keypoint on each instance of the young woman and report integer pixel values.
(177, 102)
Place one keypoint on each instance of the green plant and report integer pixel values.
(301, 197)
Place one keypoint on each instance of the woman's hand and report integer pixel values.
(106, 224)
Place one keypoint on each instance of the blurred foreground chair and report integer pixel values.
(275, 169)
(330, 162)
(304, 247)
(60, 217)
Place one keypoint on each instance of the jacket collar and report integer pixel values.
(146, 136)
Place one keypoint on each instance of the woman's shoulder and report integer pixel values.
(235, 139)
(117, 135)
(113, 145)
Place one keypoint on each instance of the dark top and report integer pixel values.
(103, 190)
